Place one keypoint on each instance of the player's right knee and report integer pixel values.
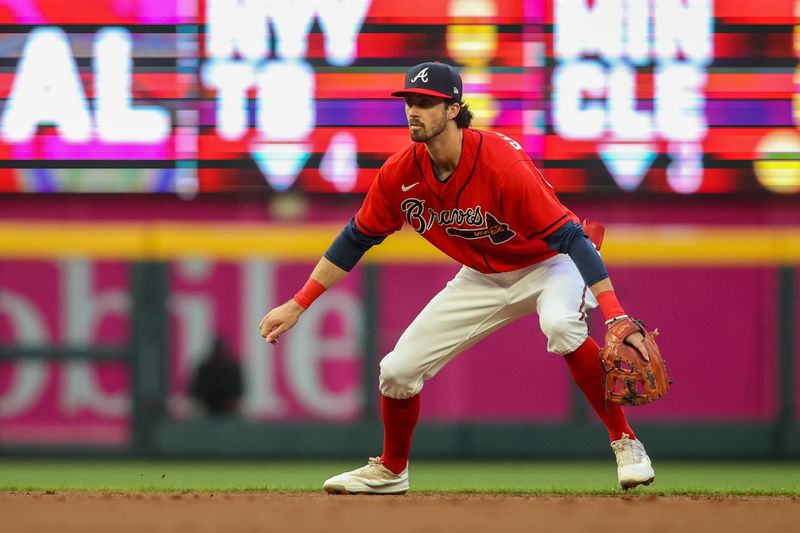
(398, 380)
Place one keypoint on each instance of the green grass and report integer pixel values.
(552, 477)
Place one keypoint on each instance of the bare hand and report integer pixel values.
(279, 320)
(636, 339)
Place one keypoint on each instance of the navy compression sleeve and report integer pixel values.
(350, 246)
(570, 239)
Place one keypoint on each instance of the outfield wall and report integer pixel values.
(717, 293)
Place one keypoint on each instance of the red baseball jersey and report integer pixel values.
(491, 214)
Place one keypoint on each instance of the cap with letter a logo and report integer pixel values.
(432, 79)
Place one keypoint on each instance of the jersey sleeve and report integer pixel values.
(530, 202)
(379, 215)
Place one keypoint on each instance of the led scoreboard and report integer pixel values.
(258, 96)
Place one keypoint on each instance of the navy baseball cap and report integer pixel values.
(432, 79)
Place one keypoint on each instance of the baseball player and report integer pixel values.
(477, 197)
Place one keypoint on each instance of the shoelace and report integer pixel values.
(372, 468)
(629, 451)
(372, 465)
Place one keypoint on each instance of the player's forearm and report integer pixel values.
(603, 291)
(324, 276)
(601, 286)
(342, 255)
(327, 274)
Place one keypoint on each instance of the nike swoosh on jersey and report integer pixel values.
(407, 188)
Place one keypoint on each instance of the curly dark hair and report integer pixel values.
(465, 116)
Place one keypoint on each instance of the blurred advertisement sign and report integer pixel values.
(317, 371)
(315, 374)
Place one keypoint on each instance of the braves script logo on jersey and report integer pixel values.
(486, 225)
(422, 74)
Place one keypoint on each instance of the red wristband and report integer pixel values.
(310, 292)
(609, 305)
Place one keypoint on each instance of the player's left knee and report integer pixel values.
(563, 334)
(555, 327)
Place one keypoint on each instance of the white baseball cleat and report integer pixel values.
(371, 479)
(633, 464)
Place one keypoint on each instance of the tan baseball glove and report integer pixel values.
(629, 378)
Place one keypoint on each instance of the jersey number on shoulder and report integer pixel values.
(516, 145)
(511, 141)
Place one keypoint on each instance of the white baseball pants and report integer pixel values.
(472, 305)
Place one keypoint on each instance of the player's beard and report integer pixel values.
(422, 135)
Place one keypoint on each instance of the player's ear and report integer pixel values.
(453, 110)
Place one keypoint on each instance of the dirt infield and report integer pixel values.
(35, 512)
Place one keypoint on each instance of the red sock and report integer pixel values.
(399, 419)
(588, 373)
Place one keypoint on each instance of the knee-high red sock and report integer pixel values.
(399, 419)
(587, 373)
